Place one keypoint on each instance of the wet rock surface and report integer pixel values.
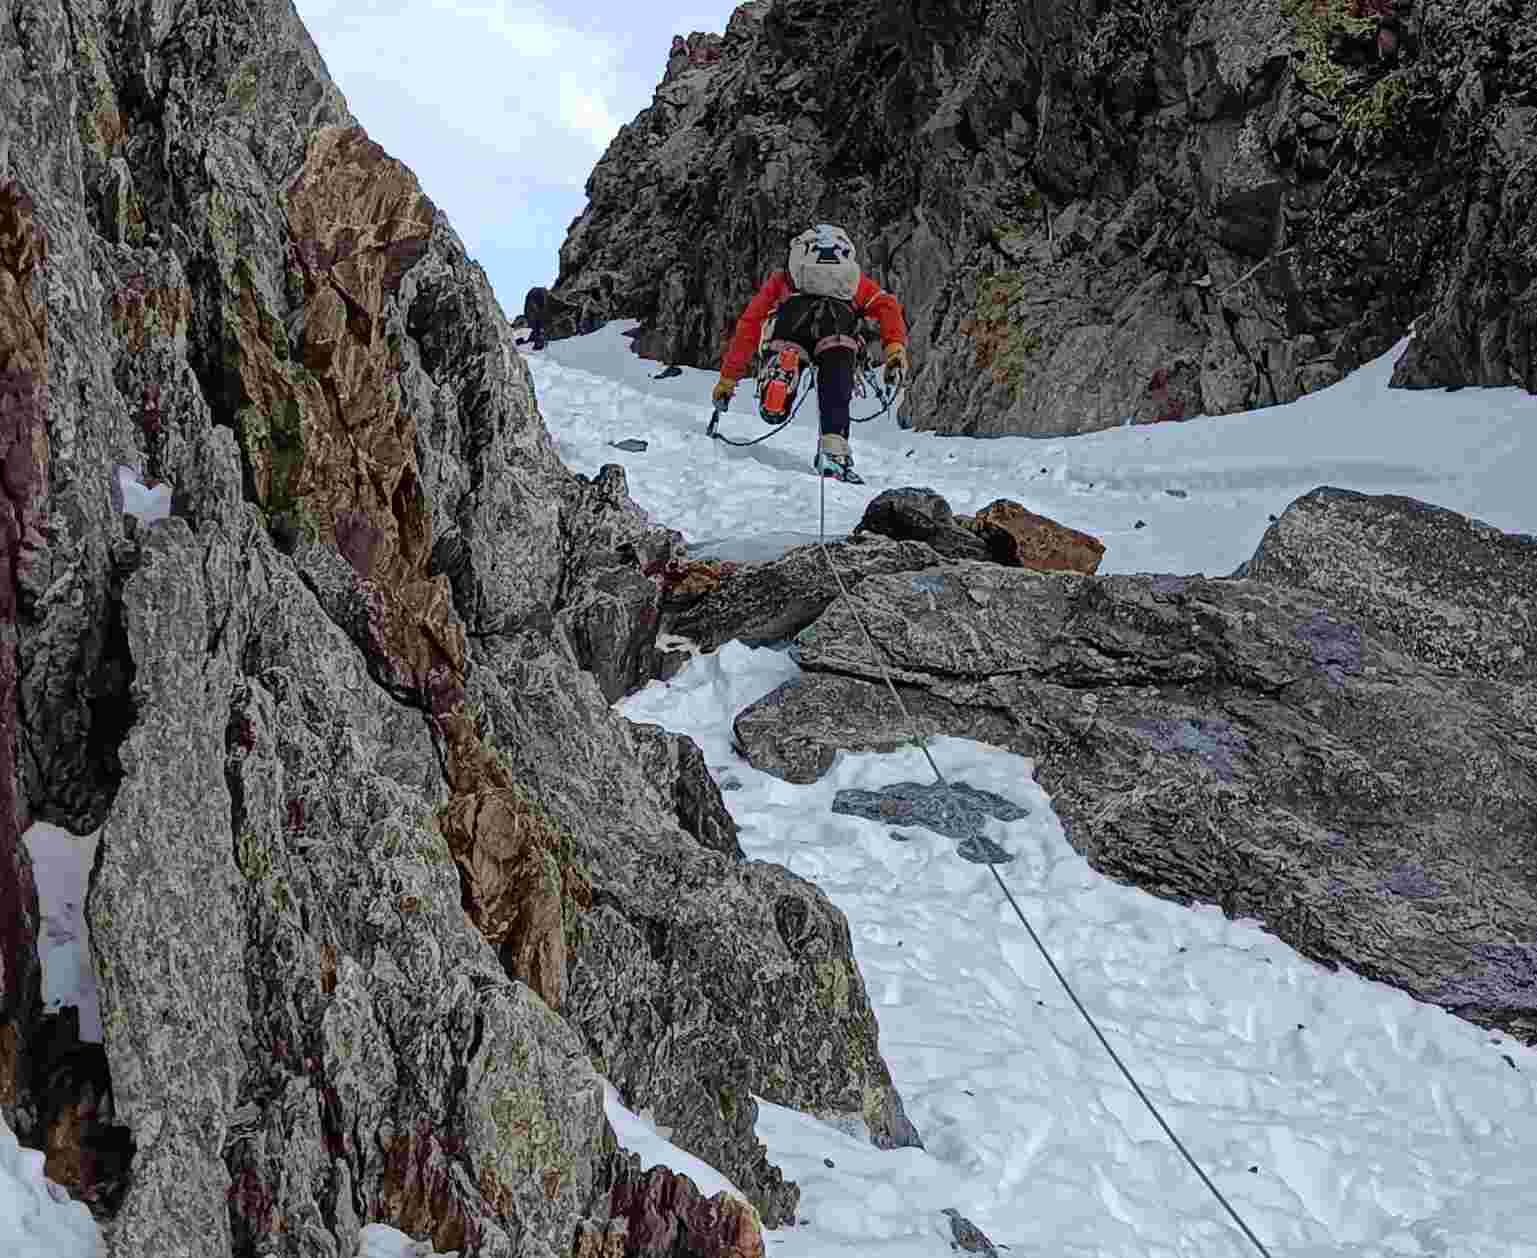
(953, 809)
(1288, 754)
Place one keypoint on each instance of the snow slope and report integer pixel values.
(1339, 1117)
(1474, 451)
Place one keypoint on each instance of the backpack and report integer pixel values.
(822, 263)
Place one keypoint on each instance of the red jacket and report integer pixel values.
(870, 300)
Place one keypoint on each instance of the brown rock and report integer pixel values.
(23, 483)
(502, 843)
(664, 1215)
(329, 449)
(1021, 539)
(521, 882)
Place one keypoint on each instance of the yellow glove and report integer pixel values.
(721, 393)
(896, 362)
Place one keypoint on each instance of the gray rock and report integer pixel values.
(1276, 751)
(634, 445)
(921, 515)
(247, 299)
(953, 809)
(1136, 219)
(968, 1236)
(609, 602)
(696, 980)
(1453, 593)
(773, 601)
(349, 1038)
(674, 764)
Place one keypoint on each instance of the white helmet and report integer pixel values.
(822, 261)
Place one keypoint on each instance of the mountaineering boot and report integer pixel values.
(834, 460)
(776, 386)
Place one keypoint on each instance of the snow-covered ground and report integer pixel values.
(1474, 451)
(1339, 1117)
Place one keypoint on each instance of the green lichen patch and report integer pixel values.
(1004, 344)
(1316, 22)
(1377, 109)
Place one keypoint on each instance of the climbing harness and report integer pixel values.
(868, 382)
(944, 784)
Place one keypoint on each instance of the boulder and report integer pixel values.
(769, 602)
(1362, 789)
(1453, 593)
(1022, 539)
(921, 515)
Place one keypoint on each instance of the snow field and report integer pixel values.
(1472, 450)
(1375, 1125)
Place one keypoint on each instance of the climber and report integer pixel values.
(536, 311)
(811, 312)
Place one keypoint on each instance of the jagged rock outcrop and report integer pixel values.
(697, 980)
(23, 484)
(766, 602)
(1151, 209)
(382, 877)
(661, 1214)
(1337, 757)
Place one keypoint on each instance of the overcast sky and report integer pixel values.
(502, 107)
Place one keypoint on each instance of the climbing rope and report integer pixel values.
(805, 388)
(939, 777)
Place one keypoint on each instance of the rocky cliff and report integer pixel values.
(1097, 209)
(383, 885)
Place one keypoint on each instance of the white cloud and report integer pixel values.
(501, 107)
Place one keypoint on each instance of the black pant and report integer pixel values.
(806, 320)
(835, 387)
(536, 328)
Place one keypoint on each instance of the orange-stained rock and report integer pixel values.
(521, 883)
(505, 849)
(1021, 539)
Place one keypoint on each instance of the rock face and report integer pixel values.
(696, 980)
(383, 882)
(23, 488)
(1336, 756)
(1147, 210)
